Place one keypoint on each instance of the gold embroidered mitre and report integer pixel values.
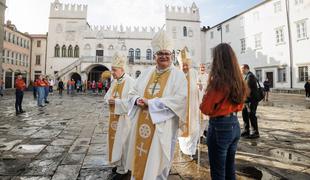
(161, 41)
(184, 56)
(118, 60)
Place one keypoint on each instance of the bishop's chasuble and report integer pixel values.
(119, 124)
(154, 129)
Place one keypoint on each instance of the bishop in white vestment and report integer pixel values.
(202, 84)
(156, 103)
(119, 124)
(189, 136)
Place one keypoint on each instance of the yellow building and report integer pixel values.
(16, 55)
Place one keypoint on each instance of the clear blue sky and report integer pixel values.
(32, 15)
(213, 12)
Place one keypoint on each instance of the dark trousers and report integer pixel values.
(19, 99)
(46, 91)
(60, 91)
(222, 140)
(249, 115)
(50, 89)
(34, 92)
(307, 93)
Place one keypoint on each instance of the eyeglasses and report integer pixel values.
(163, 54)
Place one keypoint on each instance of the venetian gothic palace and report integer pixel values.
(272, 37)
(79, 50)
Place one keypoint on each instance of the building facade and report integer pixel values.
(2, 12)
(38, 55)
(16, 55)
(272, 37)
(80, 51)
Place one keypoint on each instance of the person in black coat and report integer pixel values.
(250, 106)
(307, 88)
(266, 89)
(60, 87)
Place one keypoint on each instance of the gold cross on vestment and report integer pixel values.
(141, 150)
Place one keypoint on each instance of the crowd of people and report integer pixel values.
(166, 104)
(169, 104)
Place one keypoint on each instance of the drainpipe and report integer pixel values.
(30, 59)
(45, 53)
(289, 41)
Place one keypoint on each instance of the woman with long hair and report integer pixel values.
(224, 97)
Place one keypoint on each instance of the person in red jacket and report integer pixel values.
(20, 87)
(224, 97)
(100, 86)
(41, 90)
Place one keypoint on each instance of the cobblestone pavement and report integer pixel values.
(67, 140)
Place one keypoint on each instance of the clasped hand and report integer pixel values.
(142, 102)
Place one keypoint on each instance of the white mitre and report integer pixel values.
(118, 60)
(184, 56)
(161, 41)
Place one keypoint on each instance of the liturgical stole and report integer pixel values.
(145, 128)
(116, 93)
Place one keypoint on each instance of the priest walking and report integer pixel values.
(119, 124)
(156, 105)
(190, 135)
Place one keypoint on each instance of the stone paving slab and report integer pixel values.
(67, 172)
(31, 178)
(67, 139)
(73, 159)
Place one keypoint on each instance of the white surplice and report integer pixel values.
(203, 81)
(165, 113)
(188, 145)
(120, 146)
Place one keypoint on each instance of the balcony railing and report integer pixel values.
(141, 60)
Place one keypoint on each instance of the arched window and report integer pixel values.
(64, 51)
(99, 46)
(148, 54)
(138, 53)
(57, 50)
(184, 31)
(76, 51)
(87, 46)
(131, 56)
(70, 51)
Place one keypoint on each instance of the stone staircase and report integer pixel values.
(85, 59)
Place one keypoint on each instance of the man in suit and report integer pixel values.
(251, 103)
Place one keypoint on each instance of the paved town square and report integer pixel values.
(67, 139)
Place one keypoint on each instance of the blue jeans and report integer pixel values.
(19, 100)
(41, 92)
(222, 140)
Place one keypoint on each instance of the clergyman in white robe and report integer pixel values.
(120, 145)
(202, 84)
(165, 113)
(188, 145)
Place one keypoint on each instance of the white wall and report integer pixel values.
(271, 55)
(41, 51)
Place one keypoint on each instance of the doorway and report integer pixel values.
(269, 75)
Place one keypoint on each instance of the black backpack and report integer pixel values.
(260, 92)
